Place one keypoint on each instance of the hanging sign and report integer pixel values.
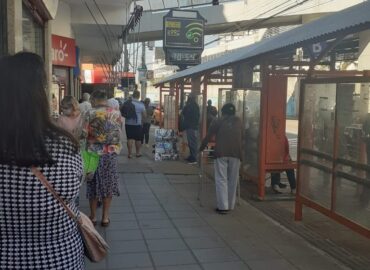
(64, 51)
(317, 48)
(183, 35)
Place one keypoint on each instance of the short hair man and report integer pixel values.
(228, 152)
(85, 106)
(134, 127)
(191, 115)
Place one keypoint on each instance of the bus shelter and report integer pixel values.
(334, 127)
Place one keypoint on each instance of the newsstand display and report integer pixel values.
(165, 147)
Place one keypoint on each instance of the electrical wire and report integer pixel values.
(107, 25)
(262, 20)
(110, 49)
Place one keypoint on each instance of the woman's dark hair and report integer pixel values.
(24, 112)
(228, 109)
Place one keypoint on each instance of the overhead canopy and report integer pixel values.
(350, 20)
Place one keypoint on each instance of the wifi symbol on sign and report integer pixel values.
(194, 32)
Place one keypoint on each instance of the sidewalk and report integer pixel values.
(157, 223)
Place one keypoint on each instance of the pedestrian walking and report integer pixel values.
(113, 103)
(35, 230)
(228, 153)
(147, 120)
(71, 118)
(104, 132)
(190, 123)
(134, 112)
(211, 113)
(85, 106)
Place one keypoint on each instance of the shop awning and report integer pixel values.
(350, 20)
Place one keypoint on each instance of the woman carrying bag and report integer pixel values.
(36, 231)
(104, 138)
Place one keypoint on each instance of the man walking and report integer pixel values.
(190, 114)
(228, 152)
(134, 111)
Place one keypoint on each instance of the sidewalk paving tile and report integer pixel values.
(96, 266)
(173, 258)
(114, 216)
(129, 260)
(161, 233)
(276, 264)
(166, 244)
(146, 216)
(205, 242)
(237, 265)
(181, 267)
(215, 255)
(123, 235)
(195, 232)
(134, 246)
(155, 223)
(123, 225)
(189, 222)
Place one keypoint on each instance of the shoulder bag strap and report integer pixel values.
(46, 183)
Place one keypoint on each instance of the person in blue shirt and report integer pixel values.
(134, 126)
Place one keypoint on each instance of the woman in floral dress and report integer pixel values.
(104, 138)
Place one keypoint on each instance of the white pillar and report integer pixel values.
(364, 51)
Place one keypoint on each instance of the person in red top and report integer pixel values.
(275, 177)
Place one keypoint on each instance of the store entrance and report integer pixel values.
(3, 28)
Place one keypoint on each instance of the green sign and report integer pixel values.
(183, 33)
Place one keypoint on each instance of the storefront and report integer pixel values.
(64, 60)
(3, 28)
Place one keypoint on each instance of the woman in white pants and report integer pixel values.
(228, 152)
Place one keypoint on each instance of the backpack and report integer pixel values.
(128, 110)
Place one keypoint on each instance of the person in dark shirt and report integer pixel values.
(191, 115)
(228, 152)
(211, 113)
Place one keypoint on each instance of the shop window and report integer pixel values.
(33, 33)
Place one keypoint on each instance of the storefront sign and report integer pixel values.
(64, 51)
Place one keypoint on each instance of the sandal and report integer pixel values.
(105, 223)
(140, 155)
(93, 221)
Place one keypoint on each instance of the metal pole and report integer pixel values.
(125, 66)
(143, 66)
(182, 88)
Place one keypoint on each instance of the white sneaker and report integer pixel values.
(276, 189)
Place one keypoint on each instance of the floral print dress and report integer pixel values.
(104, 138)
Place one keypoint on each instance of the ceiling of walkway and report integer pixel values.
(152, 5)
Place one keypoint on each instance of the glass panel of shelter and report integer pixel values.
(252, 105)
(352, 183)
(317, 140)
(169, 112)
(337, 113)
(247, 105)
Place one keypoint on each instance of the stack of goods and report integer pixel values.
(165, 147)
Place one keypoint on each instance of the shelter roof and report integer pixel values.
(350, 20)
